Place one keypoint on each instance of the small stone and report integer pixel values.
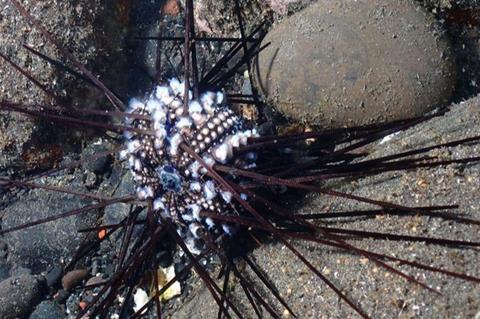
(102, 164)
(349, 63)
(3, 245)
(72, 278)
(171, 7)
(53, 276)
(61, 296)
(286, 314)
(94, 281)
(4, 269)
(18, 296)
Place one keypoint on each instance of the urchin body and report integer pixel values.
(164, 173)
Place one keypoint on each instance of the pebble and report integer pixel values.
(3, 249)
(96, 280)
(100, 165)
(61, 296)
(72, 278)
(19, 295)
(347, 63)
(4, 269)
(3, 245)
(53, 276)
(171, 7)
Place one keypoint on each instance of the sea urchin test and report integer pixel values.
(172, 179)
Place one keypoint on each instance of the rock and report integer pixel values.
(48, 310)
(61, 296)
(18, 296)
(100, 165)
(217, 17)
(4, 269)
(309, 297)
(463, 25)
(346, 63)
(280, 6)
(85, 27)
(447, 4)
(115, 213)
(72, 278)
(19, 271)
(43, 246)
(95, 281)
(53, 276)
(171, 7)
(3, 249)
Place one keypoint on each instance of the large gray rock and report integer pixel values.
(88, 29)
(53, 243)
(48, 310)
(18, 296)
(343, 63)
(379, 293)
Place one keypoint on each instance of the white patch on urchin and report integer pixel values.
(123, 154)
(158, 204)
(153, 106)
(229, 230)
(227, 196)
(221, 153)
(175, 143)
(133, 146)
(195, 211)
(210, 223)
(144, 192)
(135, 104)
(175, 86)
(209, 190)
(194, 107)
(163, 94)
(137, 164)
(194, 168)
(159, 116)
(184, 122)
(208, 101)
(195, 186)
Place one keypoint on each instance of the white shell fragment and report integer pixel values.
(165, 275)
(140, 299)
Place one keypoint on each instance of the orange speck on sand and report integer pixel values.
(102, 233)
